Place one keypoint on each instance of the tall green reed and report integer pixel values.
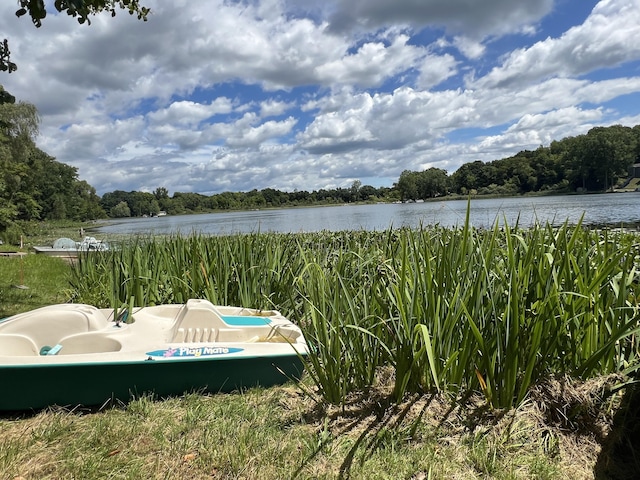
(340, 284)
(452, 309)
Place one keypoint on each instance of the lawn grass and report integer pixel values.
(280, 433)
(46, 278)
(269, 434)
(32, 281)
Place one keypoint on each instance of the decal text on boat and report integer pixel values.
(193, 351)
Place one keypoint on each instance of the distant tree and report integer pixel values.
(408, 185)
(547, 169)
(469, 176)
(367, 192)
(154, 207)
(161, 193)
(432, 183)
(636, 133)
(162, 197)
(355, 190)
(18, 128)
(595, 160)
(274, 198)
(80, 9)
(189, 202)
(521, 173)
(254, 199)
(300, 197)
(87, 202)
(121, 210)
(49, 180)
(33, 185)
(611, 151)
(111, 199)
(228, 200)
(142, 203)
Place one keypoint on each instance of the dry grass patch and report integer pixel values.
(558, 432)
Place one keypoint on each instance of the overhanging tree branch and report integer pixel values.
(80, 9)
(6, 65)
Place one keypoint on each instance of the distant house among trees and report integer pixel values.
(634, 170)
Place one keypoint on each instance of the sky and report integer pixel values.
(210, 96)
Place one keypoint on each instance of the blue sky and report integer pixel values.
(211, 95)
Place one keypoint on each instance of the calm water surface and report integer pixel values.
(621, 208)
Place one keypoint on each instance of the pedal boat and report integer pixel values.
(77, 354)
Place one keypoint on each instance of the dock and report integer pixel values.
(12, 254)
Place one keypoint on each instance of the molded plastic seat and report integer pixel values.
(198, 321)
(46, 326)
(92, 342)
(16, 344)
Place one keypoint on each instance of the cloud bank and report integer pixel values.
(213, 95)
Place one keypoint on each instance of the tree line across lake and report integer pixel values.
(34, 186)
(596, 161)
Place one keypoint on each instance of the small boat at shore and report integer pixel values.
(66, 247)
(77, 354)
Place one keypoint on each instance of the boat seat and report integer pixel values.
(46, 326)
(90, 342)
(16, 344)
(197, 321)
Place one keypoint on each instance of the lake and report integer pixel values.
(614, 208)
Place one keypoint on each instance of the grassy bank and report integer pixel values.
(438, 353)
(32, 281)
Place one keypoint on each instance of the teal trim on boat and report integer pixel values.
(244, 321)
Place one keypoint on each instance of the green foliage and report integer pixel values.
(33, 185)
(8, 212)
(454, 310)
(11, 234)
(591, 162)
(19, 123)
(6, 65)
(422, 185)
(600, 156)
(121, 210)
(82, 10)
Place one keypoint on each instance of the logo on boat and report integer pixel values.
(193, 352)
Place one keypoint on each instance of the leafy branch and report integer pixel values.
(80, 9)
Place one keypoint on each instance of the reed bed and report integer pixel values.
(446, 309)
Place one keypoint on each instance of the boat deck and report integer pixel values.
(66, 333)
